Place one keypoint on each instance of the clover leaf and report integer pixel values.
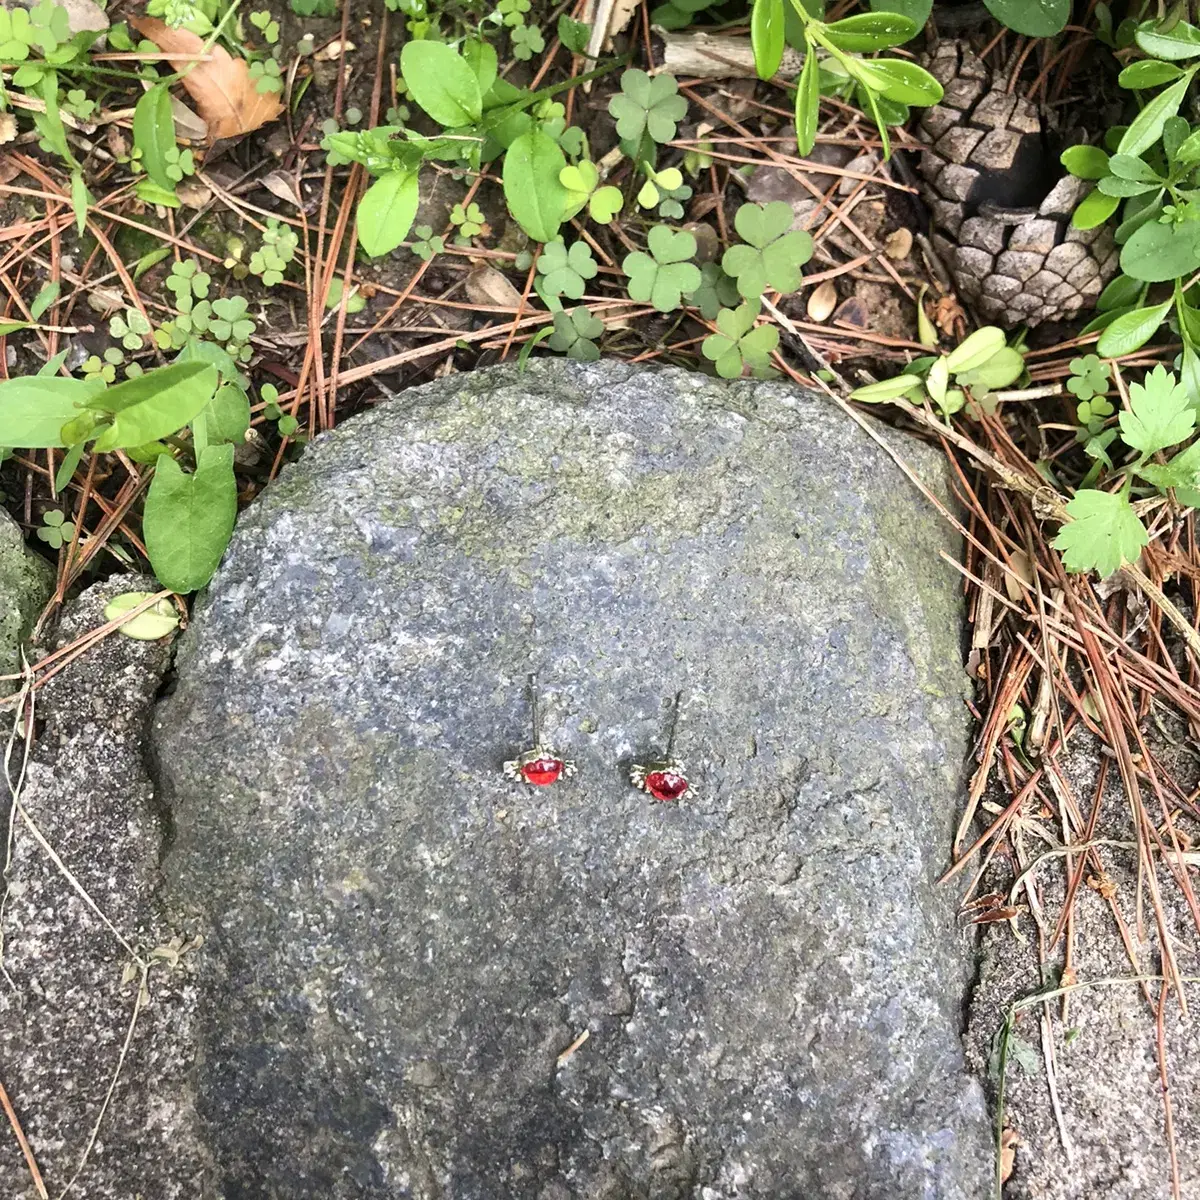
(230, 322)
(741, 343)
(573, 334)
(527, 41)
(772, 256)
(1089, 377)
(425, 245)
(582, 182)
(56, 531)
(716, 291)
(663, 275)
(647, 105)
(565, 270)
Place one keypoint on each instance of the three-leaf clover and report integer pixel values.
(470, 222)
(56, 531)
(130, 328)
(186, 279)
(647, 105)
(664, 274)
(582, 181)
(716, 291)
(425, 245)
(1089, 377)
(527, 41)
(772, 256)
(1159, 413)
(565, 270)
(741, 343)
(573, 334)
(269, 28)
(230, 322)
(1104, 533)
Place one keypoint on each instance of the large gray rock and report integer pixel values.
(85, 847)
(407, 950)
(25, 583)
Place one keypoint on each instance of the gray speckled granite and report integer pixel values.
(402, 942)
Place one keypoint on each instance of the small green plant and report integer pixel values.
(566, 271)
(271, 261)
(426, 245)
(983, 362)
(285, 423)
(773, 253)
(582, 184)
(315, 8)
(130, 329)
(575, 333)
(662, 275)
(646, 107)
(55, 530)
(716, 291)
(527, 40)
(741, 343)
(1089, 377)
(469, 222)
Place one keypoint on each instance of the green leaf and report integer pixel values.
(1133, 330)
(149, 625)
(1159, 413)
(1183, 471)
(808, 103)
(442, 83)
(904, 82)
(773, 255)
(917, 11)
(34, 409)
(480, 56)
(1104, 533)
(1000, 371)
(1033, 18)
(864, 32)
(886, 389)
(532, 189)
(1085, 162)
(1176, 44)
(1146, 128)
(662, 276)
(80, 200)
(1094, 209)
(43, 300)
(1125, 166)
(386, 211)
(647, 105)
(573, 34)
(975, 349)
(154, 134)
(228, 414)
(188, 519)
(1158, 252)
(154, 405)
(767, 36)
(1122, 292)
(1148, 73)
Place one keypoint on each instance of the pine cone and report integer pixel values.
(1001, 206)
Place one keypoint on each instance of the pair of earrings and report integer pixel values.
(540, 766)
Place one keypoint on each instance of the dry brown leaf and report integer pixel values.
(1009, 1141)
(282, 187)
(221, 87)
(485, 285)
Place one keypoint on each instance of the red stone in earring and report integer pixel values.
(540, 766)
(665, 780)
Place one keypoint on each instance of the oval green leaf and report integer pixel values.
(441, 81)
(154, 134)
(1148, 73)
(766, 36)
(34, 410)
(905, 83)
(1085, 162)
(386, 212)
(188, 519)
(1156, 253)
(1033, 18)
(1094, 209)
(1176, 44)
(149, 625)
(917, 11)
(864, 32)
(808, 104)
(535, 196)
(1146, 128)
(1132, 331)
(154, 405)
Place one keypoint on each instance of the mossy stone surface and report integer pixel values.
(25, 583)
(406, 950)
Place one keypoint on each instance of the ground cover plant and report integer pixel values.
(228, 228)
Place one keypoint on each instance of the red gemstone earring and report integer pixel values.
(540, 766)
(664, 780)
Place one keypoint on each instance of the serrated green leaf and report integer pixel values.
(1159, 413)
(1104, 533)
(1183, 471)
